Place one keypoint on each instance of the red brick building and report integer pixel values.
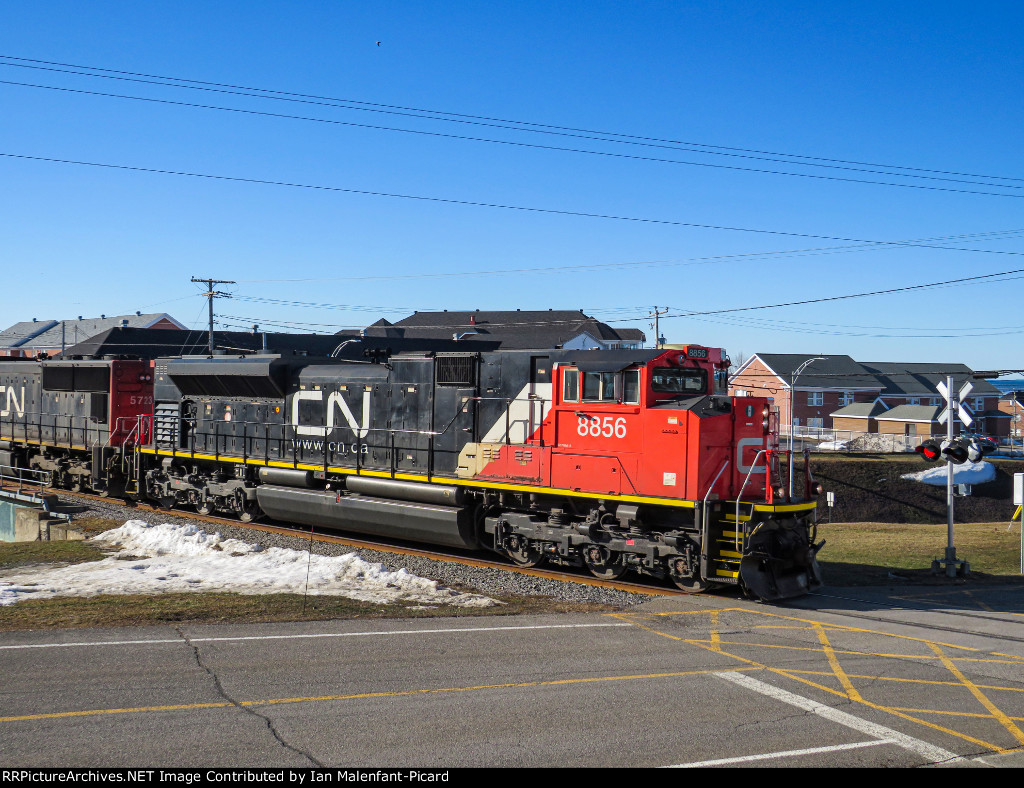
(837, 393)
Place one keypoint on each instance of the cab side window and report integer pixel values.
(571, 385)
(631, 387)
(599, 386)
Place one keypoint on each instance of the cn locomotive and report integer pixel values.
(616, 461)
(78, 420)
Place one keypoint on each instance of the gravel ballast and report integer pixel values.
(478, 579)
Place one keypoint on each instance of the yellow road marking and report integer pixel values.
(971, 714)
(837, 669)
(717, 646)
(363, 695)
(897, 680)
(1005, 721)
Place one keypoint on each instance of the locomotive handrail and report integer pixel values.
(753, 467)
(211, 436)
(704, 515)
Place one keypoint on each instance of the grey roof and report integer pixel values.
(834, 371)
(20, 333)
(860, 410)
(900, 378)
(514, 329)
(912, 413)
(69, 332)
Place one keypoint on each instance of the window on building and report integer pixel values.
(845, 398)
(979, 404)
(816, 398)
(913, 400)
(816, 423)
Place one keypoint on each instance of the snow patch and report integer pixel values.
(157, 559)
(968, 473)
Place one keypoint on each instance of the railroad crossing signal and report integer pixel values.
(956, 451)
(961, 410)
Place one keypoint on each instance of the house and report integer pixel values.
(911, 395)
(819, 387)
(837, 392)
(30, 338)
(515, 330)
(1012, 404)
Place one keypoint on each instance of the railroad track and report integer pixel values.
(357, 543)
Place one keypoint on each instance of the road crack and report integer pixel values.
(242, 707)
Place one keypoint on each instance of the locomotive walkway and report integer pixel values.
(930, 677)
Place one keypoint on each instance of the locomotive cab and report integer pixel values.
(691, 466)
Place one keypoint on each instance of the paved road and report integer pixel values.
(844, 679)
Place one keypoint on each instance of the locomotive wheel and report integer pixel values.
(204, 507)
(603, 563)
(690, 585)
(521, 554)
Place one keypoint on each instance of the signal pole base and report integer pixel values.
(954, 567)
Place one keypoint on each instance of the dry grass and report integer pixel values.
(218, 608)
(868, 553)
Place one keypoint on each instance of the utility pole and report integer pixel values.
(212, 294)
(657, 334)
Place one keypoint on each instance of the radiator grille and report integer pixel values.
(455, 370)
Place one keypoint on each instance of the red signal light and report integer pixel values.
(930, 450)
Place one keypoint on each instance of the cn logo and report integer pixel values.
(12, 401)
(335, 400)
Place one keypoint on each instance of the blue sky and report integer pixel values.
(707, 97)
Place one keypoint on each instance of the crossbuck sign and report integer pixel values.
(961, 409)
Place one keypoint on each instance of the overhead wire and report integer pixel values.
(514, 143)
(500, 206)
(515, 125)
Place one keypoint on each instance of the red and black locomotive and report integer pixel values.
(612, 460)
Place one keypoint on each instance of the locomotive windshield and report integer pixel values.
(674, 380)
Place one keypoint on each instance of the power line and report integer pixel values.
(516, 125)
(501, 206)
(212, 294)
(556, 148)
(692, 261)
(845, 297)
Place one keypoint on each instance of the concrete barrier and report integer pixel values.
(35, 524)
